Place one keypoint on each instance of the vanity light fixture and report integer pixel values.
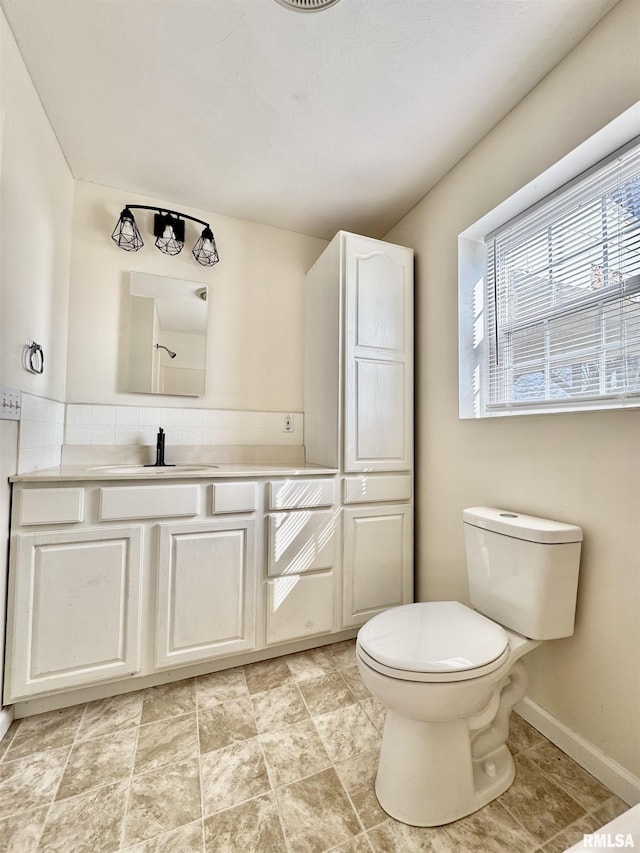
(307, 5)
(168, 229)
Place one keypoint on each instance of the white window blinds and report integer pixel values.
(563, 293)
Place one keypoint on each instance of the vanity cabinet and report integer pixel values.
(75, 608)
(114, 580)
(205, 590)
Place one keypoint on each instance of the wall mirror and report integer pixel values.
(167, 335)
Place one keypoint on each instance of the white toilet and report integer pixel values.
(449, 675)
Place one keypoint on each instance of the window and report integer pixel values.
(559, 311)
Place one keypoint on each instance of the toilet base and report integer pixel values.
(427, 775)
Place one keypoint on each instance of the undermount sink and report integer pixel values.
(151, 469)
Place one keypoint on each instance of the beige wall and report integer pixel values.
(256, 315)
(582, 468)
(36, 191)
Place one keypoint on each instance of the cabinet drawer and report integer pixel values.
(50, 506)
(290, 494)
(300, 542)
(148, 501)
(299, 606)
(234, 497)
(367, 489)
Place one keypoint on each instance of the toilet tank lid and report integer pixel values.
(520, 526)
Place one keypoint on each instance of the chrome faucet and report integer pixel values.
(160, 463)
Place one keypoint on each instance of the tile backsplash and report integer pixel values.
(118, 425)
(41, 433)
(46, 425)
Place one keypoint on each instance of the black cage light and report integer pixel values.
(169, 231)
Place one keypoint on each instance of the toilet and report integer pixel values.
(449, 675)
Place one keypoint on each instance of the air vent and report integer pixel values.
(307, 5)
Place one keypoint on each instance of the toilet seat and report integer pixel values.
(433, 641)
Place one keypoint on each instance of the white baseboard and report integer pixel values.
(6, 718)
(619, 780)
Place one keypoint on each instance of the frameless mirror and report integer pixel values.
(167, 335)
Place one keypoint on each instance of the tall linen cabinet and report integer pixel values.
(359, 411)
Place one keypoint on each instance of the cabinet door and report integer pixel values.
(74, 615)
(206, 590)
(378, 569)
(378, 356)
(300, 606)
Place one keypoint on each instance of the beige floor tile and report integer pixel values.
(311, 664)
(88, 823)
(219, 687)
(110, 715)
(166, 742)
(168, 700)
(356, 685)
(162, 800)
(569, 775)
(21, 833)
(45, 731)
(394, 837)
(31, 782)
(537, 803)
(343, 654)
(522, 735)
(225, 723)
(326, 693)
(490, 830)
(233, 774)
(9, 735)
(316, 813)
(359, 844)
(346, 732)
(591, 822)
(254, 732)
(251, 826)
(267, 674)
(278, 708)
(185, 839)
(375, 711)
(294, 752)
(98, 762)
(358, 776)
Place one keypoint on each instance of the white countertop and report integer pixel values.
(201, 471)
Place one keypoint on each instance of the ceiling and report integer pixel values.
(342, 118)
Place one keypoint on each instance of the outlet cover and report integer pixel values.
(10, 403)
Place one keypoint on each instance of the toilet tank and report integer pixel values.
(523, 570)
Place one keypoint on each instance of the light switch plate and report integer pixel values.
(10, 403)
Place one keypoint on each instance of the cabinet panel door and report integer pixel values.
(378, 356)
(206, 590)
(378, 566)
(300, 606)
(74, 617)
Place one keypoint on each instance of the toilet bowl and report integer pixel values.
(449, 675)
(447, 700)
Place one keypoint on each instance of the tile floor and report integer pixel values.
(270, 757)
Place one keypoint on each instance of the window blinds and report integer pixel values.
(563, 292)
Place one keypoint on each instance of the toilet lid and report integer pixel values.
(433, 637)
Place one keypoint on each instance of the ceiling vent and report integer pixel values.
(307, 5)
